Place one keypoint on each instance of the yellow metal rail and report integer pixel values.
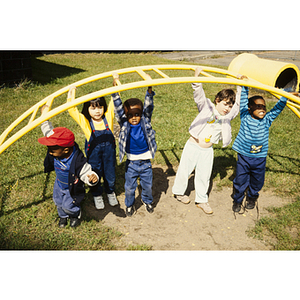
(229, 78)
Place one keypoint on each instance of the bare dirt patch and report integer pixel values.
(177, 226)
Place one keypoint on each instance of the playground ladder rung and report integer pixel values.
(162, 74)
(142, 73)
(206, 74)
(33, 115)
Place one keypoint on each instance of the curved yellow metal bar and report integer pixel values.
(231, 78)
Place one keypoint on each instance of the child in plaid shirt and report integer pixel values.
(137, 139)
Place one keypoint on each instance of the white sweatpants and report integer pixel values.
(200, 159)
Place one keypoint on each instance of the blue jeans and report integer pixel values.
(103, 161)
(250, 172)
(133, 170)
(64, 202)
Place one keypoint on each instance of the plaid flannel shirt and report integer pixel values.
(145, 123)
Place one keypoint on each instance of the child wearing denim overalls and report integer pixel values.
(96, 121)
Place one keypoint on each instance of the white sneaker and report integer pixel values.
(99, 203)
(182, 198)
(112, 199)
(205, 207)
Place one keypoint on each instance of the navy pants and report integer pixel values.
(135, 169)
(64, 202)
(250, 173)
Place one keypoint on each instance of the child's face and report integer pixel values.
(134, 115)
(258, 110)
(223, 107)
(59, 152)
(96, 112)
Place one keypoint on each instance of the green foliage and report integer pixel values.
(282, 230)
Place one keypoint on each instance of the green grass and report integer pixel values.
(281, 230)
(27, 213)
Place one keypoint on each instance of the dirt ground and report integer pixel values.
(177, 226)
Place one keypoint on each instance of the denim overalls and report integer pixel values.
(100, 151)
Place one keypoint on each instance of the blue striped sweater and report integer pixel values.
(253, 137)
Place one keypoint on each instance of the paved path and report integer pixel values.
(223, 58)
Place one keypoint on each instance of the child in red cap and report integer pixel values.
(72, 172)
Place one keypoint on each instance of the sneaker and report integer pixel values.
(112, 199)
(205, 207)
(63, 222)
(74, 222)
(182, 198)
(148, 207)
(236, 207)
(250, 203)
(99, 203)
(129, 211)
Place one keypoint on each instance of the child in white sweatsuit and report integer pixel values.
(211, 125)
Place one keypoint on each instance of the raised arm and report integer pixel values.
(77, 116)
(119, 109)
(236, 107)
(276, 110)
(244, 100)
(148, 103)
(199, 94)
(110, 114)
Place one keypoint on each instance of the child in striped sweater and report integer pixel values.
(252, 145)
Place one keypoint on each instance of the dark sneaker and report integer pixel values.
(148, 207)
(129, 211)
(63, 222)
(236, 207)
(250, 203)
(74, 222)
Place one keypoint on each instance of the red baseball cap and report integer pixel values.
(59, 136)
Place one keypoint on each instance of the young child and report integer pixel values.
(137, 139)
(252, 145)
(72, 172)
(96, 121)
(211, 125)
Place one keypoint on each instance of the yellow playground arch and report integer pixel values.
(208, 76)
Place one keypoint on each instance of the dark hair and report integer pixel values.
(227, 94)
(96, 103)
(133, 102)
(251, 100)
